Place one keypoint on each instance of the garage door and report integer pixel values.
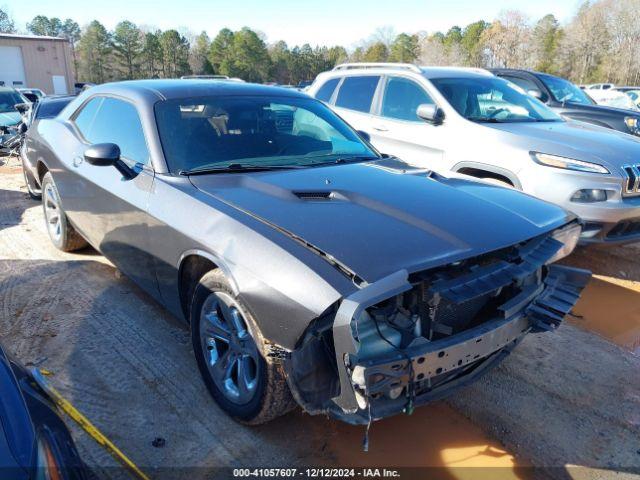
(12, 70)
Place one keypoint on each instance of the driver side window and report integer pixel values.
(523, 83)
(109, 120)
(402, 98)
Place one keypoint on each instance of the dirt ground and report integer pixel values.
(568, 401)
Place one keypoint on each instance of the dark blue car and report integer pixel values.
(34, 441)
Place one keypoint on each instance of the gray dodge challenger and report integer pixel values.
(310, 268)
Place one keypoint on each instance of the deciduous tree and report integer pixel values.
(7, 25)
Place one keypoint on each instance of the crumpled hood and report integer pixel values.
(9, 118)
(379, 220)
(577, 140)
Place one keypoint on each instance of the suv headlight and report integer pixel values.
(567, 163)
(632, 124)
(569, 235)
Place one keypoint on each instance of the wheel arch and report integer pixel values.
(193, 265)
(41, 169)
(483, 170)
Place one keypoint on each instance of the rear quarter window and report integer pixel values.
(326, 91)
(356, 93)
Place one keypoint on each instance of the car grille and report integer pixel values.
(632, 184)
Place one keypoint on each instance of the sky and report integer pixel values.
(319, 22)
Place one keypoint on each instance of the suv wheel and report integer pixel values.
(229, 351)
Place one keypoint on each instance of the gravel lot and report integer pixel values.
(570, 398)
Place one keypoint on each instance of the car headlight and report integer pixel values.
(632, 124)
(569, 237)
(567, 163)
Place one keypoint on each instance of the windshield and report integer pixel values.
(565, 91)
(492, 99)
(8, 100)
(633, 95)
(248, 131)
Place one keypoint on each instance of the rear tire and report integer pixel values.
(32, 186)
(222, 329)
(62, 234)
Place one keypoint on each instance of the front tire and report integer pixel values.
(230, 351)
(62, 234)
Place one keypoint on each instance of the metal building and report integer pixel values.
(36, 62)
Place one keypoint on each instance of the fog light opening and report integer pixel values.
(589, 195)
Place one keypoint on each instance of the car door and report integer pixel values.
(354, 100)
(109, 209)
(398, 130)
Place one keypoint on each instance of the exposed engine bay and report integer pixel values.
(412, 338)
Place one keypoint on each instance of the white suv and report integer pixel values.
(471, 122)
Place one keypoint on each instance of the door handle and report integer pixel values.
(77, 161)
(380, 128)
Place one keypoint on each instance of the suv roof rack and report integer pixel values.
(397, 66)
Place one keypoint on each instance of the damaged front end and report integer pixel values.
(408, 339)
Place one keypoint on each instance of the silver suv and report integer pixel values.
(470, 122)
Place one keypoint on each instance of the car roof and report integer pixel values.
(458, 72)
(56, 98)
(350, 69)
(166, 89)
(7, 89)
(517, 70)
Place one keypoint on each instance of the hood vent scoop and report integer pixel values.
(314, 195)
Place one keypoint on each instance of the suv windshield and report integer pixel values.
(491, 99)
(565, 91)
(254, 131)
(8, 101)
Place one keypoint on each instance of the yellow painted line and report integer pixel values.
(84, 422)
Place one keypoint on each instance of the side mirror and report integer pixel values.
(430, 113)
(365, 136)
(22, 107)
(108, 155)
(102, 154)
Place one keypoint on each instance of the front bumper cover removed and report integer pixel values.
(431, 370)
